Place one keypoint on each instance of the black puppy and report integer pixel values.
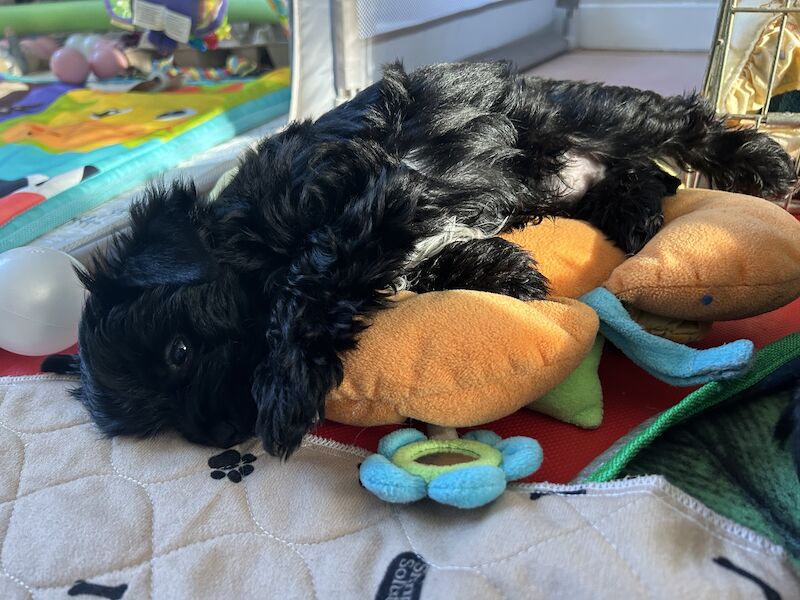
(230, 318)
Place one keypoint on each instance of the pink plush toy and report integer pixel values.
(107, 61)
(41, 47)
(73, 63)
(69, 65)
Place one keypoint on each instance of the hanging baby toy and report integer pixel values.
(199, 23)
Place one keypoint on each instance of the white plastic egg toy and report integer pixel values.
(88, 43)
(41, 299)
(75, 41)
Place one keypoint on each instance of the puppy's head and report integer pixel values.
(165, 340)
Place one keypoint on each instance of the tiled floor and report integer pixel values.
(664, 72)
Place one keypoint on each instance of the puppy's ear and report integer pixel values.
(164, 245)
(289, 389)
(304, 339)
(62, 364)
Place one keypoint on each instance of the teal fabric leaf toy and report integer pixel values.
(668, 361)
(467, 472)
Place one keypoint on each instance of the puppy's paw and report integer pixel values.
(638, 234)
(487, 265)
(755, 164)
(626, 205)
(527, 284)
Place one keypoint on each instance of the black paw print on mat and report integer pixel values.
(232, 464)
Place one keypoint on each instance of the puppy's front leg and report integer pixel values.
(488, 265)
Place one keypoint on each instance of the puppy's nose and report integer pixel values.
(225, 435)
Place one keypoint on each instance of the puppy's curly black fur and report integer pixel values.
(230, 318)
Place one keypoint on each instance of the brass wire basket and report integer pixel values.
(778, 25)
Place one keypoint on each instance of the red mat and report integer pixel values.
(630, 397)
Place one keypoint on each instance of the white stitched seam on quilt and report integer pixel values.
(18, 581)
(491, 583)
(11, 516)
(750, 535)
(636, 575)
(15, 379)
(152, 512)
(24, 453)
(646, 484)
(9, 381)
(779, 551)
(540, 542)
(694, 509)
(412, 546)
(727, 525)
(290, 545)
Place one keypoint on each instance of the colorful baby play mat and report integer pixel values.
(65, 150)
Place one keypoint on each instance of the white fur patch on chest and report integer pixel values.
(451, 232)
(580, 173)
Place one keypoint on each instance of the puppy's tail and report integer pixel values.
(344, 271)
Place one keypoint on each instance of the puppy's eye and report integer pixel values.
(178, 353)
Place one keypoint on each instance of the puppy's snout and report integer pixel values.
(225, 435)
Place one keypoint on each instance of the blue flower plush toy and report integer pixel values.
(467, 472)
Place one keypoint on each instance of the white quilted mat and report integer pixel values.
(89, 517)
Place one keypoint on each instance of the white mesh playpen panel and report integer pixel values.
(338, 46)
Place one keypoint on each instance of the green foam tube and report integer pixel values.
(79, 16)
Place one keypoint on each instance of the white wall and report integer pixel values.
(645, 24)
(474, 32)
